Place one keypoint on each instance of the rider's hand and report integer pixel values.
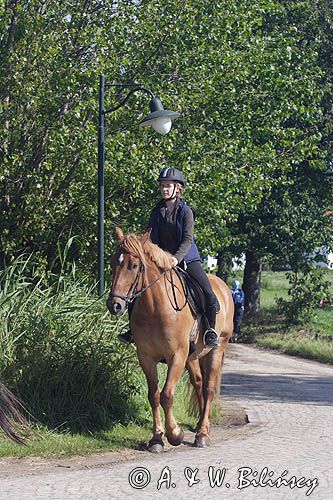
(174, 261)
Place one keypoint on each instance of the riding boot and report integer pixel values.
(211, 338)
(127, 337)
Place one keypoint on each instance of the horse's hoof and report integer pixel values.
(202, 442)
(176, 440)
(155, 446)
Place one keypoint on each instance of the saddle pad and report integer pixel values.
(194, 292)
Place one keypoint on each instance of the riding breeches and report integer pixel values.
(196, 271)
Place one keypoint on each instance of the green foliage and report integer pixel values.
(288, 220)
(299, 345)
(59, 353)
(310, 339)
(307, 290)
(243, 75)
(50, 444)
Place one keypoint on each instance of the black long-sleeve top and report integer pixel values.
(167, 234)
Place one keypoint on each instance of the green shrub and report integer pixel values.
(59, 353)
(307, 290)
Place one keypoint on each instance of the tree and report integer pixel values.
(286, 228)
(288, 223)
(237, 71)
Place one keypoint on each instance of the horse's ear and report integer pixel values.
(146, 236)
(119, 234)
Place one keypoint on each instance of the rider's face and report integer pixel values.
(168, 189)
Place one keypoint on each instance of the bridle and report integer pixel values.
(132, 293)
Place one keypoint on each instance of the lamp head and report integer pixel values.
(159, 119)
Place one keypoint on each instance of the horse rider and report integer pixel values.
(172, 223)
(239, 302)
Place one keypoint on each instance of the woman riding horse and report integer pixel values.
(161, 319)
(171, 223)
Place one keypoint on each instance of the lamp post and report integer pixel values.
(159, 119)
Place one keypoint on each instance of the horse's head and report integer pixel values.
(127, 268)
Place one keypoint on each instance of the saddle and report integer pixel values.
(194, 293)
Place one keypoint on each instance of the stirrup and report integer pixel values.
(211, 338)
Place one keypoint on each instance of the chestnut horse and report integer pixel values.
(161, 323)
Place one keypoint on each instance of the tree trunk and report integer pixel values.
(224, 265)
(2, 260)
(251, 284)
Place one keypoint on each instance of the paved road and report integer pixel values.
(288, 441)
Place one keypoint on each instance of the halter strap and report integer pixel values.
(138, 294)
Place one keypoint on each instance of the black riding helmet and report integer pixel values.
(171, 174)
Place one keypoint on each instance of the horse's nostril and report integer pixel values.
(115, 306)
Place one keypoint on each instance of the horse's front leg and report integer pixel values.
(156, 444)
(176, 366)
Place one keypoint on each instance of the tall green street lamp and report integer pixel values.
(159, 119)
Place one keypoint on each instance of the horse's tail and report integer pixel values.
(205, 373)
(219, 377)
(195, 371)
(9, 413)
(193, 403)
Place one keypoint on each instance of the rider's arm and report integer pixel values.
(185, 245)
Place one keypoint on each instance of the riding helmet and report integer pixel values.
(171, 174)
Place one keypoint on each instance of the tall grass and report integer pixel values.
(59, 353)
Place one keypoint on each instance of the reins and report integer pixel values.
(185, 291)
(138, 294)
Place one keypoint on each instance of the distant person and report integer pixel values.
(239, 302)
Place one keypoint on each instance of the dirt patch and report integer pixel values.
(231, 425)
(232, 414)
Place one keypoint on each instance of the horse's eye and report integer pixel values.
(134, 266)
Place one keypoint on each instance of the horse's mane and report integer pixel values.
(146, 251)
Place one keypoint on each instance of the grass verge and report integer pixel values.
(299, 345)
(310, 340)
(50, 444)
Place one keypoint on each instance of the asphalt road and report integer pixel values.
(285, 452)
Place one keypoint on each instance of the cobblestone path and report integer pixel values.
(288, 442)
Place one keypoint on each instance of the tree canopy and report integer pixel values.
(245, 76)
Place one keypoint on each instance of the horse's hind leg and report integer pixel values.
(197, 401)
(176, 366)
(156, 444)
(213, 369)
